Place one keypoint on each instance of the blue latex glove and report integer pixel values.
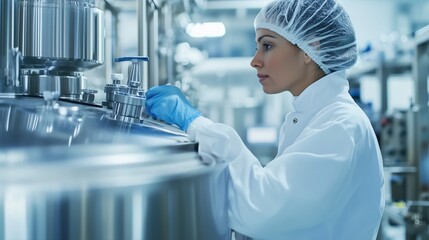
(168, 103)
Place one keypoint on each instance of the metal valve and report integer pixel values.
(111, 89)
(128, 103)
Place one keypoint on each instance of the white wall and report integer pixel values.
(370, 18)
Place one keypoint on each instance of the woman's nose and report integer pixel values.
(256, 63)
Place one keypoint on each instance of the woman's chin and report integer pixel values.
(269, 90)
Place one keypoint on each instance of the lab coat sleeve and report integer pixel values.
(217, 142)
(297, 190)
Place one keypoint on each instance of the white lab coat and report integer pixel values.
(326, 181)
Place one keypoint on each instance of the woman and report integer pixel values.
(326, 181)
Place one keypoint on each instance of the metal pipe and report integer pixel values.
(153, 46)
(170, 45)
(112, 44)
(142, 26)
(166, 55)
(6, 42)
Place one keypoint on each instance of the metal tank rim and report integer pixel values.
(109, 165)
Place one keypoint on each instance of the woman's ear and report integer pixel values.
(307, 58)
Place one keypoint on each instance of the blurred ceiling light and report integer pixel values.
(230, 4)
(207, 29)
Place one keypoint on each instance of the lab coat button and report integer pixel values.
(295, 120)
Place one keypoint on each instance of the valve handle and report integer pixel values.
(134, 71)
(132, 58)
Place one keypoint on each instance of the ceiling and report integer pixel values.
(235, 4)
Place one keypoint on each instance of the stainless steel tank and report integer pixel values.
(65, 34)
(69, 171)
(58, 41)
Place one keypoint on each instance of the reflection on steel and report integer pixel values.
(68, 168)
(67, 172)
(58, 41)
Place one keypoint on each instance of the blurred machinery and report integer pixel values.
(403, 137)
(73, 168)
(404, 141)
(417, 218)
(394, 138)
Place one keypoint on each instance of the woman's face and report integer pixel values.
(281, 65)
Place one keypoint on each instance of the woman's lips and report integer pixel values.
(262, 77)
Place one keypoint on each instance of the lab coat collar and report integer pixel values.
(321, 92)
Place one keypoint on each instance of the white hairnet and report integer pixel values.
(321, 28)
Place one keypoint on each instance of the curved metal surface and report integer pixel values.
(69, 172)
(66, 33)
(69, 124)
(133, 200)
(67, 86)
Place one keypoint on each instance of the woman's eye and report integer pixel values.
(266, 46)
